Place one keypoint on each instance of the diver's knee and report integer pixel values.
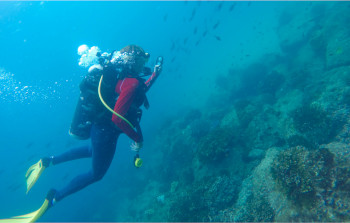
(98, 176)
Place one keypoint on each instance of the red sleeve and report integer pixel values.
(125, 99)
(151, 80)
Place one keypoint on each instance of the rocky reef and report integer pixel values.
(278, 148)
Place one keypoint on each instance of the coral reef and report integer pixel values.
(276, 147)
(272, 83)
(317, 126)
(299, 172)
(295, 184)
(214, 147)
(202, 201)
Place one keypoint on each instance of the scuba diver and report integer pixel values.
(114, 79)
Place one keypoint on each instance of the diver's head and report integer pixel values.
(134, 59)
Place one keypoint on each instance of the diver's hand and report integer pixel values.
(136, 146)
(157, 69)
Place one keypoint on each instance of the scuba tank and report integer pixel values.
(89, 108)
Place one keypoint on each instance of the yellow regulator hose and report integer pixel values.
(105, 104)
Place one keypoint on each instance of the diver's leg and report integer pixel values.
(104, 139)
(34, 172)
(76, 153)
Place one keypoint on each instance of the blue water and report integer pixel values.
(40, 78)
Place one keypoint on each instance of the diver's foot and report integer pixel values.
(47, 161)
(51, 197)
(34, 216)
(34, 172)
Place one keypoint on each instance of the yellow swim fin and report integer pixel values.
(34, 216)
(34, 172)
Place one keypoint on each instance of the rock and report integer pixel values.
(293, 30)
(296, 184)
(338, 50)
(230, 120)
(161, 199)
(256, 154)
(258, 197)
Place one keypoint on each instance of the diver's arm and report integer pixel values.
(139, 131)
(122, 106)
(153, 77)
(137, 146)
(151, 80)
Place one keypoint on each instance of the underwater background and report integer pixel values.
(249, 120)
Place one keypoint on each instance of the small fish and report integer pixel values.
(220, 6)
(14, 187)
(198, 41)
(204, 33)
(185, 41)
(172, 47)
(249, 3)
(193, 12)
(195, 30)
(31, 157)
(216, 25)
(232, 7)
(185, 50)
(173, 59)
(192, 15)
(165, 17)
(29, 145)
(217, 38)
